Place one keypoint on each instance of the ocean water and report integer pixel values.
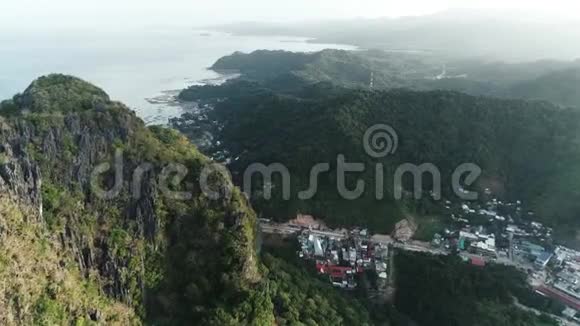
(144, 68)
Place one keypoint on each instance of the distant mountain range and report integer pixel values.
(501, 35)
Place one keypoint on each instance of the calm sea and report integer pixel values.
(143, 68)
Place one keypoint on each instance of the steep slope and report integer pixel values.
(103, 221)
(40, 285)
(300, 298)
(146, 251)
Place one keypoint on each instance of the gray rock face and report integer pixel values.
(66, 153)
(142, 246)
(19, 176)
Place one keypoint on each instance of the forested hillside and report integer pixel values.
(528, 151)
(300, 297)
(345, 68)
(447, 291)
(561, 87)
(555, 81)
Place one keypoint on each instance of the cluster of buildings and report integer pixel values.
(496, 231)
(504, 233)
(565, 265)
(342, 257)
(526, 251)
(477, 242)
(479, 232)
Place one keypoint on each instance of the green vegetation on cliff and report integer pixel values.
(142, 257)
(60, 93)
(40, 284)
(145, 251)
(300, 298)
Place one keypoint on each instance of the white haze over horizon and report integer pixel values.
(137, 50)
(34, 15)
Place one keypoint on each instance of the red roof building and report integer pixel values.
(477, 261)
(339, 271)
(560, 296)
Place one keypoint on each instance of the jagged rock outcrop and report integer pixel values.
(146, 249)
(19, 176)
(40, 283)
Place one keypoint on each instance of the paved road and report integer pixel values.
(287, 229)
(416, 246)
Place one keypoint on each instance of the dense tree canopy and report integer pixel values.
(527, 150)
(447, 291)
(555, 81)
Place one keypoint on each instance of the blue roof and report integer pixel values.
(544, 257)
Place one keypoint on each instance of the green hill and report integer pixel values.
(345, 68)
(528, 150)
(554, 81)
(560, 87)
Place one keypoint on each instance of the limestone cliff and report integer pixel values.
(163, 259)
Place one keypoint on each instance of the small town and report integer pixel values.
(495, 232)
(342, 259)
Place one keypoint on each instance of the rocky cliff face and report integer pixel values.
(20, 176)
(170, 260)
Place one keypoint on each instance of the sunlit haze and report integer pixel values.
(29, 14)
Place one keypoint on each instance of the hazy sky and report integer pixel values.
(34, 13)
